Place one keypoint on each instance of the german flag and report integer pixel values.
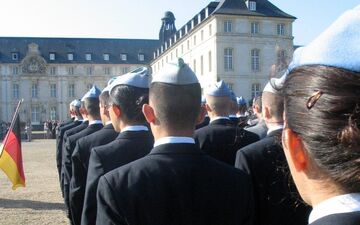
(10, 155)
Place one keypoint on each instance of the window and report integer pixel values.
(71, 91)
(281, 57)
(16, 91)
(227, 26)
(182, 49)
(71, 70)
(125, 70)
(210, 30)
(255, 90)
(53, 113)
(194, 39)
(252, 6)
(35, 114)
(106, 57)
(228, 59)
(202, 35)
(141, 57)
(52, 56)
(210, 61)
(34, 90)
(15, 56)
(88, 56)
(53, 90)
(188, 44)
(171, 56)
(176, 53)
(107, 70)
(15, 70)
(89, 70)
(255, 28)
(70, 56)
(230, 86)
(194, 66)
(52, 70)
(123, 57)
(255, 60)
(281, 29)
(201, 65)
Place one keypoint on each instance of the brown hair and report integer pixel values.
(330, 128)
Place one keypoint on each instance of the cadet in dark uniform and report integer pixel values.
(81, 154)
(264, 161)
(128, 93)
(176, 183)
(321, 138)
(206, 120)
(221, 138)
(92, 111)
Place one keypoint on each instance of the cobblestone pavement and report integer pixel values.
(40, 202)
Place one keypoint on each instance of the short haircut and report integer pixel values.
(275, 102)
(130, 100)
(92, 106)
(329, 126)
(258, 102)
(176, 106)
(104, 98)
(220, 105)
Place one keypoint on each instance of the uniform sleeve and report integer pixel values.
(108, 212)
(241, 161)
(67, 174)
(95, 170)
(77, 185)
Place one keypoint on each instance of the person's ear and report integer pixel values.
(117, 111)
(201, 116)
(207, 107)
(295, 150)
(149, 113)
(266, 112)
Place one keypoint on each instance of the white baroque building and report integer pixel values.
(232, 40)
(49, 73)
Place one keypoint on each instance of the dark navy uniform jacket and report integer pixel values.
(221, 139)
(68, 149)
(275, 202)
(352, 218)
(127, 147)
(175, 184)
(80, 162)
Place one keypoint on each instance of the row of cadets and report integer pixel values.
(81, 154)
(92, 123)
(221, 138)
(176, 183)
(275, 196)
(74, 113)
(128, 94)
(257, 125)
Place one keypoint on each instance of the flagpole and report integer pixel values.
(16, 113)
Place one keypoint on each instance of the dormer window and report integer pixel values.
(252, 5)
(106, 57)
(123, 57)
(15, 56)
(70, 56)
(52, 56)
(88, 56)
(141, 57)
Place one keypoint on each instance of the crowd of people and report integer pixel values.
(150, 149)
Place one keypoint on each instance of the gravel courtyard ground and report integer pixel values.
(40, 202)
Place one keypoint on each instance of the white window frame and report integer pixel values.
(53, 113)
(255, 60)
(71, 70)
(106, 56)
(252, 5)
(35, 114)
(52, 70)
(141, 57)
(70, 56)
(228, 59)
(15, 70)
(34, 90)
(88, 56)
(16, 88)
(255, 90)
(255, 27)
(71, 90)
(107, 70)
(15, 56)
(89, 70)
(52, 56)
(123, 57)
(280, 29)
(227, 26)
(53, 91)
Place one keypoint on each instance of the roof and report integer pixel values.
(79, 47)
(238, 7)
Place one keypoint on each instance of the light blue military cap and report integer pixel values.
(107, 88)
(178, 73)
(240, 100)
(76, 103)
(338, 46)
(136, 78)
(219, 89)
(233, 96)
(94, 92)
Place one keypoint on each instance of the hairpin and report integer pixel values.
(313, 99)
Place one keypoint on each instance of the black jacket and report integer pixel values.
(80, 162)
(221, 139)
(275, 202)
(175, 184)
(127, 147)
(352, 218)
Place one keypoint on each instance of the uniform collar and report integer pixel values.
(219, 118)
(338, 204)
(135, 128)
(174, 140)
(277, 127)
(95, 122)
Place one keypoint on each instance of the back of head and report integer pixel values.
(92, 107)
(218, 98)
(275, 103)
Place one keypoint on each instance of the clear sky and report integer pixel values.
(141, 18)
